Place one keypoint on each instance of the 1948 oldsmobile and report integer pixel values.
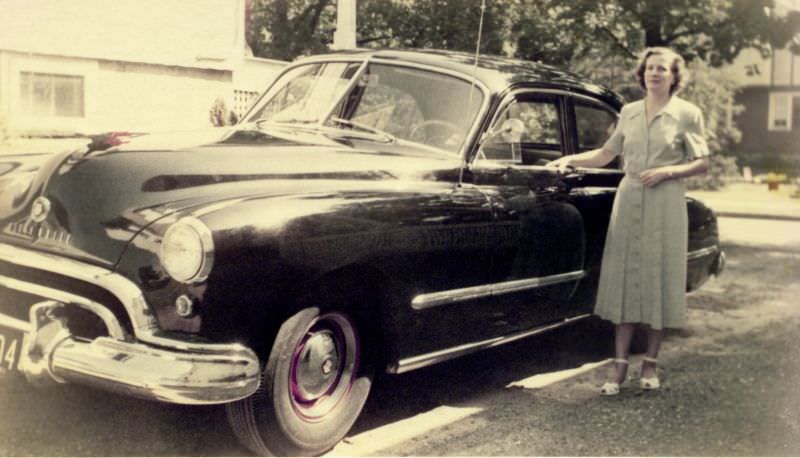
(374, 211)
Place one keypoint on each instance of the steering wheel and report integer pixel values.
(445, 131)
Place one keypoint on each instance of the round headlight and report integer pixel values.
(187, 251)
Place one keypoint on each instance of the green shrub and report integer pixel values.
(220, 115)
(767, 162)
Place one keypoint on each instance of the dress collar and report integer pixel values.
(672, 108)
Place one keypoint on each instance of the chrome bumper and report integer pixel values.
(719, 264)
(146, 365)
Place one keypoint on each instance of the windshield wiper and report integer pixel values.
(373, 130)
(285, 122)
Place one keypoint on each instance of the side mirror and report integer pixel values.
(509, 131)
(508, 134)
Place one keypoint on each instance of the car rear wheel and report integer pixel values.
(313, 387)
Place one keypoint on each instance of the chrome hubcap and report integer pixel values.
(324, 366)
(317, 366)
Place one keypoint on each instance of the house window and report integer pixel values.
(43, 94)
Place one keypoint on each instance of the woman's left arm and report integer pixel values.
(654, 176)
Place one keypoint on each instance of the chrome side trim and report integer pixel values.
(428, 300)
(417, 362)
(701, 253)
(112, 324)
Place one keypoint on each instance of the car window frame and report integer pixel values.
(531, 93)
(616, 163)
(575, 100)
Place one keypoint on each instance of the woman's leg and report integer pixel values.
(654, 337)
(623, 333)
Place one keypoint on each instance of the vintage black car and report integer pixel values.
(374, 211)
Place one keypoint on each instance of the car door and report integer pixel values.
(590, 122)
(537, 265)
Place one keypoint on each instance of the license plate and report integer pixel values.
(10, 349)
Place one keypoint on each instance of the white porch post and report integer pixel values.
(345, 35)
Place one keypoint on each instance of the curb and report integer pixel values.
(734, 214)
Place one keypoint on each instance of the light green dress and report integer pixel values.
(643, 272)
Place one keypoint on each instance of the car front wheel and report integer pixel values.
(313, 387)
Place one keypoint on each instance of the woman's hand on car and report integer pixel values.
(563, 164)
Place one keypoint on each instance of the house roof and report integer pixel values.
(186, 33)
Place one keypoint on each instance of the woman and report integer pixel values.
(643, 272)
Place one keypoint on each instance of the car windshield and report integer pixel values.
(386, 103)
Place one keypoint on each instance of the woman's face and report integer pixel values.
(658, 76)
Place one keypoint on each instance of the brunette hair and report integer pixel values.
(677, 67)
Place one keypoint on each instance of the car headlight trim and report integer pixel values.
(187, 251)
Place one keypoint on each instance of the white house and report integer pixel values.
(87, 66)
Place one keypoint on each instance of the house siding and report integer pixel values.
(119, 96)
(754, 120)
(141, 65)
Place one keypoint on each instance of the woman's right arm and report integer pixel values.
(594, 158)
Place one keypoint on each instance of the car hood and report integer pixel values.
(97, 201)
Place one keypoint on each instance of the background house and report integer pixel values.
(89, 66)
(769, 90)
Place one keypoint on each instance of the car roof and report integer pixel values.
(496, 72)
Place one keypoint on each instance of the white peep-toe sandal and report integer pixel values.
(612, 388)
(650, 383)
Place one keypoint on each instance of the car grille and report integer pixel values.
(16, 303)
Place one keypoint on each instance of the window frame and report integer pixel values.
(26, 99)
(788, 110)
(575, 100)
(616, 163)
(519, 95)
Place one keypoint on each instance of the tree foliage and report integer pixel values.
(437, 24)
(559, 32)
(711, 30)
(285, 29)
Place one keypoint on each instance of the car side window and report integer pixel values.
(540, 119)
(594, 124)
(535, 136)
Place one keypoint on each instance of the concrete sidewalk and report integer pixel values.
(752, 200)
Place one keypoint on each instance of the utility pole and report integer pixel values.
(345, 35)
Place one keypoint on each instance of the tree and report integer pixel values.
(711, 30)
(560, 32)
(436, 24)
(285, 29)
